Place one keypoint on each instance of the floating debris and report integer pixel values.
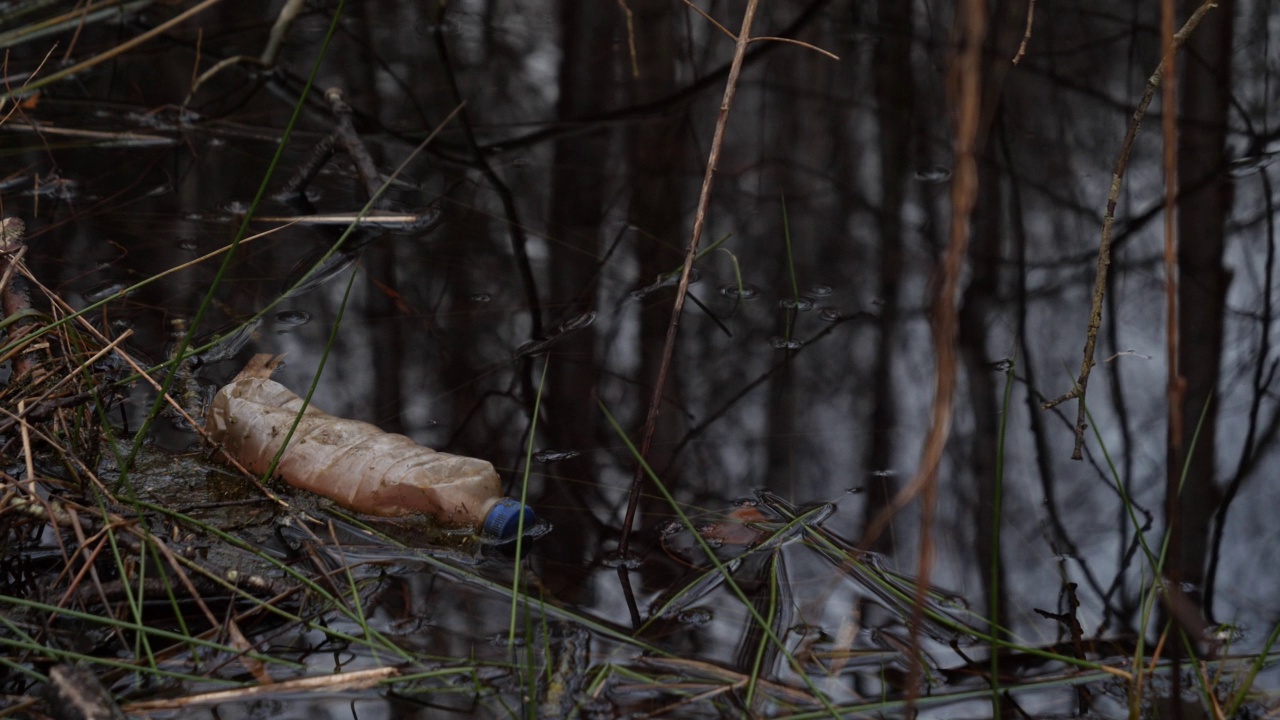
(572, 325)
(382, 220)
(630, 561)
(104, 291)
(695, 616)
(547, 457)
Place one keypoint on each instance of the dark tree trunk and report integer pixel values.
(895, 102)
(658, 164)
(576, 213)
(1203, 209)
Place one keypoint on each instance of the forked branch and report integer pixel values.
(1081, 385)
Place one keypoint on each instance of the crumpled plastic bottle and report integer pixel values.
(356, 464)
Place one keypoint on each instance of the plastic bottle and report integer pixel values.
(354, 463)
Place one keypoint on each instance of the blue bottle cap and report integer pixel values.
(504, 519)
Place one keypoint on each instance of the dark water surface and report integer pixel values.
(803, 370)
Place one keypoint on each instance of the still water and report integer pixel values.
(529, 256)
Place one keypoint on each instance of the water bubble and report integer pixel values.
(293, 317)
(103, 291)
(552, 456)
(801, 303)
(820, 290)
(234, 207)
(781, 343)
(187, 244)
(713, 542)
(934, 174)
(830, 314)
(481, 297)
(696, 617)
(630, 561)
(746, 292)
(1003, 365)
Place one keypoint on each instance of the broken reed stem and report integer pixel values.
(1108, 222)
(699, 221)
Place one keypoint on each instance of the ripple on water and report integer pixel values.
(746, 291)
(801, 303)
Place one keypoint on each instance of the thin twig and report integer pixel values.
(1026, 35)
(1081, 385)
(355, 680)
(699, 221)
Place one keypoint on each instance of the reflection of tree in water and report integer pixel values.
(567, 185)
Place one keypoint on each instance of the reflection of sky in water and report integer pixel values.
(779, 355)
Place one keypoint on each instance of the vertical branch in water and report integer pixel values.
(699, 221)
(965, 95)
(965, 89)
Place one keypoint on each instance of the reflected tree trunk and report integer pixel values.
(575, 216)
(1204, 206)
(981, 300)
(895, 101)
(657, 162)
